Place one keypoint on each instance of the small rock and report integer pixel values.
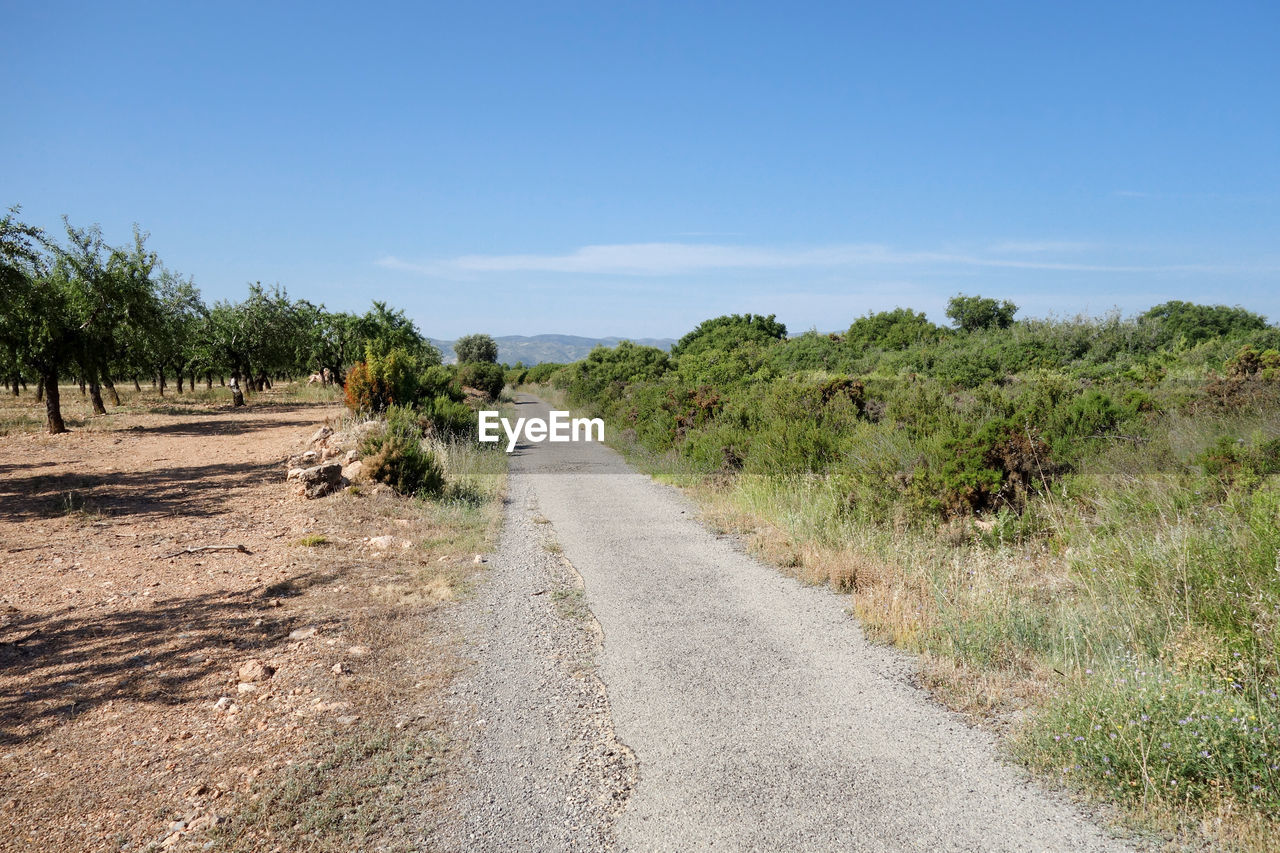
(224, 704)
(382, 543)
(351, 456)
(255, 670)
(348, 720)
(302, 633)
(478, 558)
(294, 473)
(353, 470)
(246, 687)
(321, 480)
(338, 668)
(321, 434)
(358, 651)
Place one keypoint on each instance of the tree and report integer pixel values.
(976, 313)
(892, 330)
(730, 331)
(34, 327)
(476, 348)
(1191, 324)
(389, 329)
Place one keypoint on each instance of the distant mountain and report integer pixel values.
(537, 349)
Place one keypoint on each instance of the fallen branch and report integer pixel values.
(240, 548)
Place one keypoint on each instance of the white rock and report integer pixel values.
(382, 543)
(302, 633)
(321, 434)
(224, 704)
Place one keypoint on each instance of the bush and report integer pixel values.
(448, 418)
(483, 376)
(395, 455)
(382, 380)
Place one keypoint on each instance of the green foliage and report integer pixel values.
(1249, 363)
(447, 418)
(476, 348)
(976, 313)
(382, 380)
(1188, 324)
(395, 455)
(483, 376)
(540, 374)
(892, 330)
(729, 331)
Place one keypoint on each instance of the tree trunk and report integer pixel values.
(95, 395)
(222, 381)
(180, 381)
(82, 388)
(111, 389)
(52, 403)
(160, 382)
(192, 377)
(136, 386)
(15, 386)
(237, 396)
(40, 390)
(208, 381)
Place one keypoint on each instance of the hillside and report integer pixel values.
(536, 349)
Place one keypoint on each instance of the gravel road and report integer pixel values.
(758, 715)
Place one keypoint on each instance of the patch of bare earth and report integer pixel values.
(279, 697)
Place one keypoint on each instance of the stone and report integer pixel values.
(254, 670)
(351, 456)
(321, 434)
(358, 651)
(338, 668)
(246, 687)
(347, 720)
(224, 704)
(321, 480)
(353, 470)
(382, 543)
(302, 633)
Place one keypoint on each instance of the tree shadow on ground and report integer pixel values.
(55, 667)
(190, 490)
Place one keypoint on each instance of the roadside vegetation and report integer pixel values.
(1075, 521)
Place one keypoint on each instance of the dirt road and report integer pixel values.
(759, 716)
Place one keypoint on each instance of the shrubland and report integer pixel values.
(1075, 521)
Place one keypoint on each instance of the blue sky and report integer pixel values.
(632, 168)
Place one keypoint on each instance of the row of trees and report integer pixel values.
(78, 308)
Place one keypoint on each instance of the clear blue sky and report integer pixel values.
(604, 168)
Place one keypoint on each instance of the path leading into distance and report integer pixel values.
(758, 715)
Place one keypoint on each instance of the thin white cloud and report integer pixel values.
(1035, 247)
(667, 259)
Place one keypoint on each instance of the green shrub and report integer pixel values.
(448, 418)
(483, 376)
(382, 380)
(395, 455)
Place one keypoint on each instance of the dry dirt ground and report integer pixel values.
(132, 712)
